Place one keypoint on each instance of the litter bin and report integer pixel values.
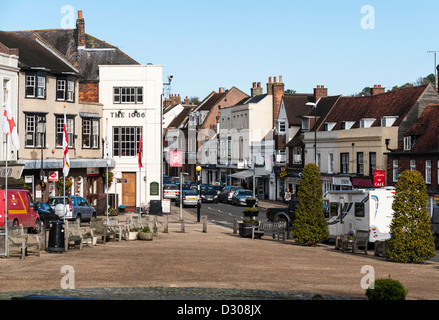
(56, 237)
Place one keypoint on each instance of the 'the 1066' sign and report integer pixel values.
(379, 178)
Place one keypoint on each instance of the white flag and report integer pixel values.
(65, 149)
(9, 126)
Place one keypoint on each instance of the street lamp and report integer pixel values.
(199, 192)
(314, 105)
(41, 129)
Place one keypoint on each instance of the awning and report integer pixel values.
(243, 174)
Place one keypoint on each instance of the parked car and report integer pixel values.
(46, 214)
(189, 198)
(240, 197)
(171, 191)
(21, 210)
(77, 208)
(227, 193)
(209, 194)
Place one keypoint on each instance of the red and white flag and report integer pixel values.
(65, 149)
(139, 154)
(9, 126)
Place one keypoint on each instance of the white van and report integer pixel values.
(360, 209)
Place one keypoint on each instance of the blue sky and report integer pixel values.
(210, 44)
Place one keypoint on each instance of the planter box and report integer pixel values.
(145, 236)
(245, 228)
(132, 235)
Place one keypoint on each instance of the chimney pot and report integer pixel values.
(269, 79)
(322, 86)
(254, 84)
(274, 80)
(318, 86)
(259, 84)
(280, 79)
(80, 14)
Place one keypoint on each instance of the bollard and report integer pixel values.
(235, 225)
(204, 224)
(166, 225)
(155, 228)
(182, 225)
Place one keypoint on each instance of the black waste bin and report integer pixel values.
(56, 237)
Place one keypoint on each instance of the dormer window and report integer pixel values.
(305, 124)
(409, 142)
(346, 125)
(366, 122)
(329, 126)
(387, 121)
(280, 126)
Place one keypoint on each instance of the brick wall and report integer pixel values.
(89, 91)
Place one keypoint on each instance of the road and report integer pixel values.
(222, 214)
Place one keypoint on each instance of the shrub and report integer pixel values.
(411, 234)
(386, 289)
(310, 226)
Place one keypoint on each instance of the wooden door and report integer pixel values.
(129, 189)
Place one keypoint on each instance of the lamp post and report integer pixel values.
(199, 192)
(314, 105)
(41, 129)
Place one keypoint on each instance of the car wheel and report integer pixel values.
(38, 226)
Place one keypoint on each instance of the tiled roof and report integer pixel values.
(33, 54)
(180, 118)
(97, 52)
(295, 107)
(394, 103)
(427, 129)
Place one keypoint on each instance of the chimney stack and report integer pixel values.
(80, 31)
(377, 89)
(320, 92)
(256, 90)
(278, 90)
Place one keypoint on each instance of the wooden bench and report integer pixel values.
(380, 248)
(72, 232)
(360, 240)
(104, 230)
(17, 238)
(278, 228)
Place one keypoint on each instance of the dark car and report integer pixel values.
(209, 194)
(46, 213)
(240, 197)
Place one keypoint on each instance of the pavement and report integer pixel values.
(217, 264)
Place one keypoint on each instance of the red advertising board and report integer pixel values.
(379, 178)
(176, 158)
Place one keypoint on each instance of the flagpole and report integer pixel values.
(6, 200)
(106, 161)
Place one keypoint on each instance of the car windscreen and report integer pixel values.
(245, 193)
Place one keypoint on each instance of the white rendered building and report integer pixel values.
(131, 98)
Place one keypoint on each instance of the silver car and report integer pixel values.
(189, 198)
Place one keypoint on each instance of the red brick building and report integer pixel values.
(419, 151)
